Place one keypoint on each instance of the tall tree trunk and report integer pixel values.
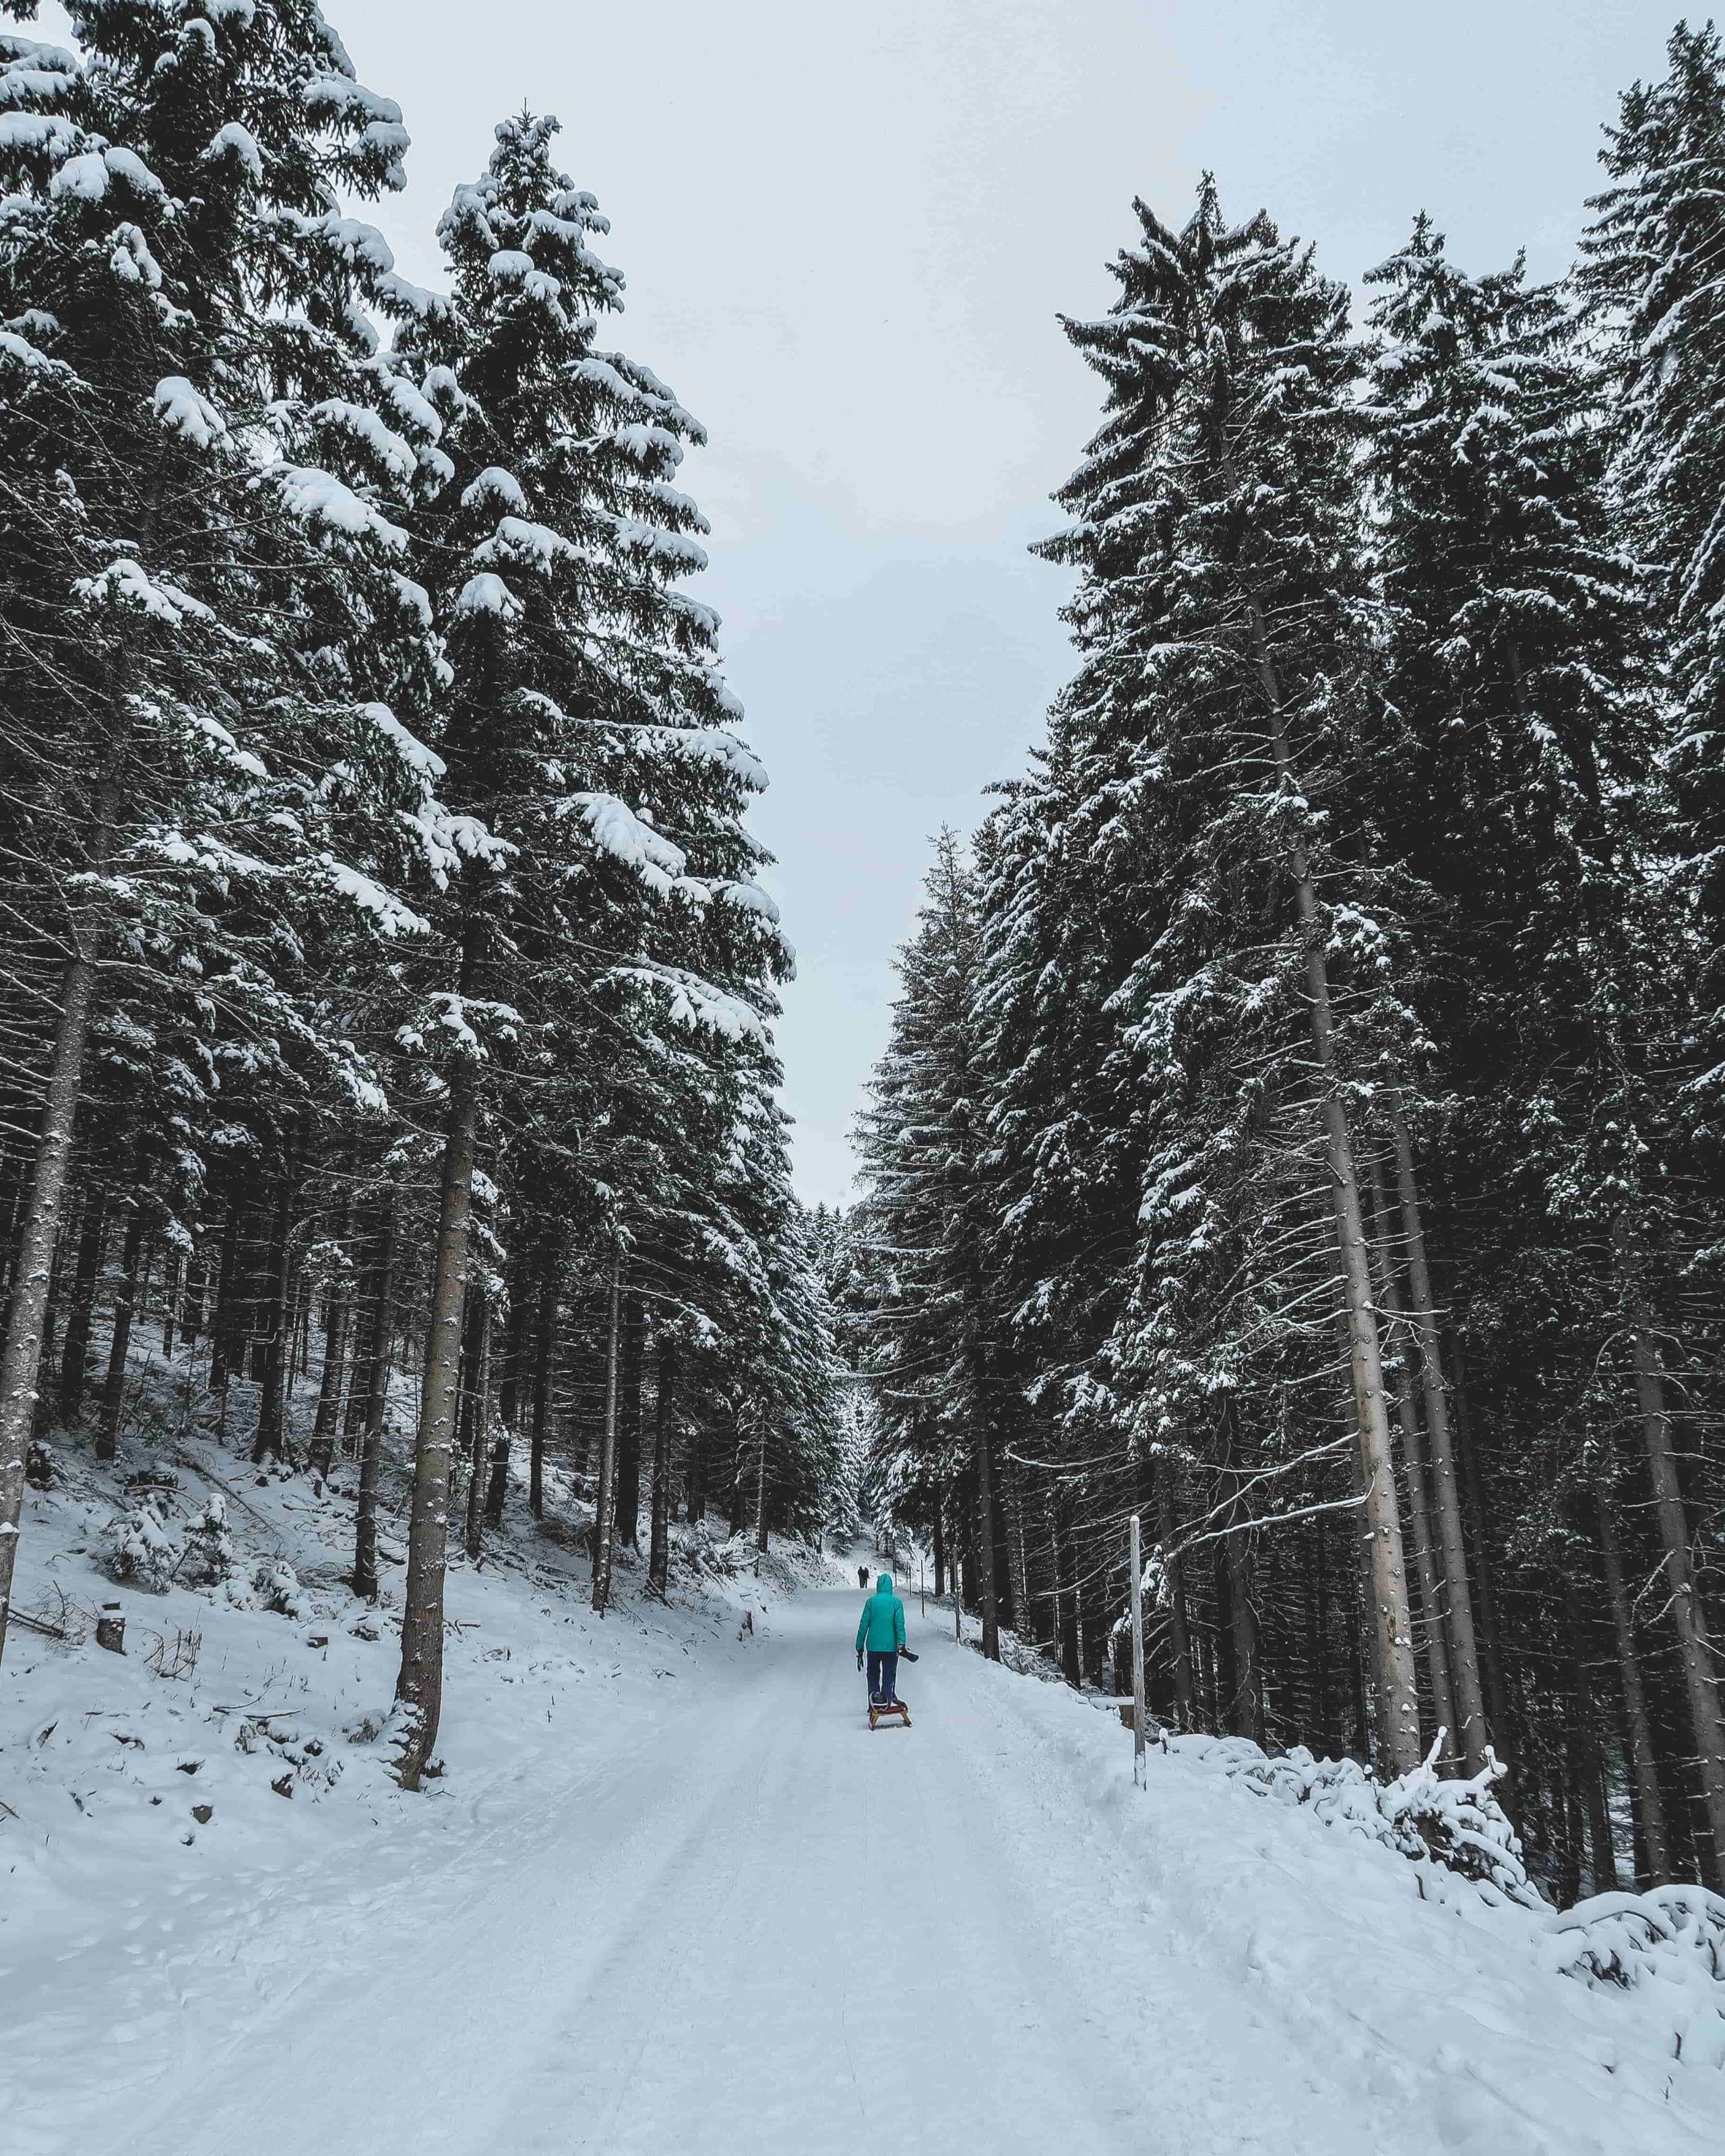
(474, 1537)
(107, 1439)
(1367, 1636)
(1358, 1636)
(363, 1332)
(171, 1276)
(737, 1509)
(497, 1484)
(48, 1364)
(664, 1407)
(629, 1421)
(1464, 1651)
(544, 1335)
(1066, 1599)
(378, 1329)
(1487, 1630)
(1318, 1638)
(511, 1367)
(299, 1331)
(222, 1329)
(1586, 1754)
(1227, 1644)
(603, 1512)
(964, 1540)
(1245, 1707)
(1173, 1570)
(1425, 1561)
(11, 1202)
(74, 1351)
(321, 1455)
(1019, 1560)
(195, 1285)
(761, 1427)
(1643, 1758)
(509, 1388)
(1399, 1700)
(21, 1355)
(473, 1305)
(1689, 1623)
(420, 1685)
(982, 1397)
(1247, 1716)
(695, 1469)
(940, 1557)
(1093, 1626)
(272, 1438)
(1005, 1608)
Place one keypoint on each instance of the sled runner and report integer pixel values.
(881, 1710)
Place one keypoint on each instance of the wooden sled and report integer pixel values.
(895, 1710)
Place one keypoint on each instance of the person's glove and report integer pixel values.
(859, 1658)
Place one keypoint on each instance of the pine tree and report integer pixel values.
(1521, 676)
(1226, 670)
(614, 898)
(927, 1216)
(1651, 272)
(189, 781)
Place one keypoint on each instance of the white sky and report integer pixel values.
(847, 232)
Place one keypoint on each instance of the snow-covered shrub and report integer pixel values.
(209, 1546)
(1673, 1936)
(1460, 1823)
(1457, 1824)
(273, 1585)
(277, 1585)
(144, 1553)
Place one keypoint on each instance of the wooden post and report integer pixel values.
(1139, 1776)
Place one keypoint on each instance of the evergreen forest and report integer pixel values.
(1301, 1126)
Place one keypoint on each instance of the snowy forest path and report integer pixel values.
(759, 1927)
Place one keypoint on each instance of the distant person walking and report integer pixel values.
(881, 1632)
(862, 1578)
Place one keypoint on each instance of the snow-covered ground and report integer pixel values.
(672, 1894)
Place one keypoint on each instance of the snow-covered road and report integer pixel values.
(757, 1927)
(719, 1915)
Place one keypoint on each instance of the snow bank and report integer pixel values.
(1505, 2025)
(1670, 1940)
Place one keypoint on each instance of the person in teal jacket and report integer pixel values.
(880, 1631)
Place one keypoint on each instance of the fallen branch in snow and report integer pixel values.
(1457, 1824)
(70, 1622)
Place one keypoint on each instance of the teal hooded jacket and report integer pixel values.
(881, 1627)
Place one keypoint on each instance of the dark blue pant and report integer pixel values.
(883, 1674)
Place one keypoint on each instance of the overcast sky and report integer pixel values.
(847, 232)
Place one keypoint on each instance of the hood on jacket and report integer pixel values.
(883, 1583)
